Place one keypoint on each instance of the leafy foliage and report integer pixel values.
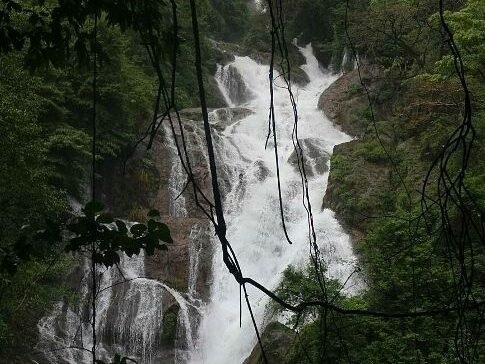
(468, 25)
(229, 19)
(44, 120)
(326, 336)
(46, 107)
(112, 236)
(57, 32)
(408, 262)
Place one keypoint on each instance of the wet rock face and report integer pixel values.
(225, 117)
(345, 101)
(193, 130)
(153, 179)
(314, 159)
(276, 340)
(219, 118)
(261, 171)
(193, 113)
(173, 267)
(237, 89)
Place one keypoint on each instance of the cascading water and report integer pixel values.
(349, 62)
(176, 183)
(130, 315)
(222, 80)
(252, 209)
(130, 306)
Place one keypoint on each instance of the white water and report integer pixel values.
(131, 316)
(177, 178)
(349, 62)
(252, 211)
(129, 307)
(221, 79)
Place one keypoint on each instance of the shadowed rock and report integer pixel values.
(224, 117)
(261, 172)
(276, 340)
(344, 102)
(314, 159)
(236, 88)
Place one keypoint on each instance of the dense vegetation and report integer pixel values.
(408, 259)
(46, 80)
(45, 121)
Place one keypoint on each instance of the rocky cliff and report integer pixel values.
(148, 307)
(360, 174)
(345, 102)
(276, 340)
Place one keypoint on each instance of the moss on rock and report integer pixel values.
(276, 340)
(169, 326)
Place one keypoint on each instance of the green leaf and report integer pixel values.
(77, 242)
(134, 250)
(111, 258)
(121, 226)
(92, 207)
(98, 258)
(153, 213)
(163, 233)
(81, 227)
(152, 225)
(105, 218)
(138, 229)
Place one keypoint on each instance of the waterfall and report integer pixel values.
(222, 79)
(345, 60)
(130, 307)
(349, 61)
(252, 210)
(130, 315)
(177, 206)
(195, 249)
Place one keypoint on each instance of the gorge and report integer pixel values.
(355, 201)
(131, 314)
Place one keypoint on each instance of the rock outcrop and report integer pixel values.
(359, 171)
(354, 177)
(314, 160)
(277, 340)
(345, 102)
(237, 89)
(146, 185)
(225, 52)
(228, 116)
(173, 267)
(152, 180)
